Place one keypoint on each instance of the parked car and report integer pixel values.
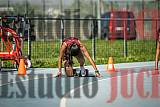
(112, 27)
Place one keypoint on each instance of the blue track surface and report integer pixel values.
(132, 85)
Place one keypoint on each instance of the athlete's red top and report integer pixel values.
(68, 42)
(71, 40)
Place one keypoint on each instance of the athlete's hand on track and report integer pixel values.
(97, 74)
(59, 74)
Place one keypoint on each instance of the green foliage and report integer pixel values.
(45, 54)
(20, 8)
(44, 63)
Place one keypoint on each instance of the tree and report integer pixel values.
(24, 9)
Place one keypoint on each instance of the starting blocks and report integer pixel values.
(78, 73)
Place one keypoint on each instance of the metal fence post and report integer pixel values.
(93, 35)
(125, 38)
(62, 30)
(29, 39)
(99, 16)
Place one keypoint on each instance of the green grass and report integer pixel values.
(45, 54)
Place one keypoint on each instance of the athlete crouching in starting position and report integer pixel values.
(157, 52)
(71, 46)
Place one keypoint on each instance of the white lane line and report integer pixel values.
(121, 66)
(63, 101)
(135, 66)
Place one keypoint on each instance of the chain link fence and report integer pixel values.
(123, 49)
(134, 35)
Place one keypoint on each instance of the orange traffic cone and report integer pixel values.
(110, 67)
(21, 68)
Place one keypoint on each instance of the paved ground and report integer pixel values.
(132, 85)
